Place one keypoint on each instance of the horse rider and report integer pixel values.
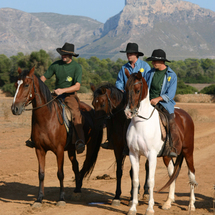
(162, 84)
(68, 81)
(133, 65)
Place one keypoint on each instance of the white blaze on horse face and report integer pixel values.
(19, 82)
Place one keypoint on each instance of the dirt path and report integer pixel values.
(19, 177)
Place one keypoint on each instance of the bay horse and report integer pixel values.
(49, 132)
(109, 104)
(144, 138)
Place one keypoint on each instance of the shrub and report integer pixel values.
(182, 88)
(9, 89)
(83, 89)
(208, 90)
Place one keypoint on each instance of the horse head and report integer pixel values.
(136, 91)
(106, 99)
(24, 91)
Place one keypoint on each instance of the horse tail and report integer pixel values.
(92, 153)
(175, 174)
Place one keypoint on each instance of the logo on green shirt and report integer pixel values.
(69, 79)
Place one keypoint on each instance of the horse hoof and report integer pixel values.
(166, 206)
(149, 212)
(191, 208)
(115, 202)
(61, 203)
(132, 212)
(37, 205)
(76, 196)
(145, 197)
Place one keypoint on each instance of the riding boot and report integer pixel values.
(108, 143)
(30, 143)
(80, 139)
(176, 145)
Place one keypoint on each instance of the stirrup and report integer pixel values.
(107, 145)
(30, 143)
(79, 146)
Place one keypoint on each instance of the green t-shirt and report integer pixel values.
(157, 82)
(67, 75)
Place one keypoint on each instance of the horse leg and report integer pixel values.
(171, 196)
(60, 175)
(116, 200)
(75, 167)
(41, 173)
(131, 192)
(192, 180)
(146, 186)
(152, 158)
(135, 169)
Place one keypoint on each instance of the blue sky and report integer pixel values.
(100, 10)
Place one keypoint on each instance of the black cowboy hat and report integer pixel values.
(67, 48)
(132, 48)
(158, 54)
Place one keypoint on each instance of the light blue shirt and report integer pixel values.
(140, 65)
(168, 89)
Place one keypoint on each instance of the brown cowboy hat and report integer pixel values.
(132, 48)
(158, 54)
(67, 48)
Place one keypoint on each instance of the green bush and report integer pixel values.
(83, 89)
(9, 89)
(208, 90)
(182, 88)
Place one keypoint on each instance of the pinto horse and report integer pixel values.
(144, 138)
(49, 132)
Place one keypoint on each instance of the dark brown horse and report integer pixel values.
(49, 132)
(144, 138)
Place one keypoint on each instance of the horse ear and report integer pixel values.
(103, 89)
(19, 70)
(139, 75)
(31, 71)
(127, 73)
(92, 87)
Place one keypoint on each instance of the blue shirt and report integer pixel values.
(168, 89)
(140, 65)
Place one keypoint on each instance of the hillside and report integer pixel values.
(182, 29)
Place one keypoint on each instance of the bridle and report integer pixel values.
(110, 106)
(25, 104)
(138, 105)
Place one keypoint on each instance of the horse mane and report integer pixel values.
(44, 90)
(115, 92)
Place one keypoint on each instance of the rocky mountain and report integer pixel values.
(182, 29)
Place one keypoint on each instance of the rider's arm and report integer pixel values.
(43, 78)
(71, 89)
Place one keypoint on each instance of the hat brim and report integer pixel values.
(139, 53)
(153, 59)
(62, 52)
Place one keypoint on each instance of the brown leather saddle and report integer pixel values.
(165, 132)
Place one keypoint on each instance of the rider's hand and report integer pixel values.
(59, 91)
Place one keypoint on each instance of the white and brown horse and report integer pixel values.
(144, 138)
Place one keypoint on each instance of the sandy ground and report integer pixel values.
(19, 177)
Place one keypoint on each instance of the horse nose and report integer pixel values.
(14, 109)
(128, 114)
